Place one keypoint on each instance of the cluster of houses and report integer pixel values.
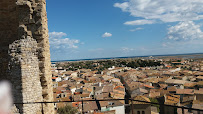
(85, 84)
(170, 86)
(162, 84)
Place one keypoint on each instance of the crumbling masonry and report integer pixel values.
(25, 54)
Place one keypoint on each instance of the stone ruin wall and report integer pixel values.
(24, 72)
(25, 54)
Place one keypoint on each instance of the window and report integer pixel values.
(111, 103)
(138, 112)
(143, 112)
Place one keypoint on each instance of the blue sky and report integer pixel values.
(81, 29)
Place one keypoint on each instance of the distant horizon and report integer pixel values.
(127, 57)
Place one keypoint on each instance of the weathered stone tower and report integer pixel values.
(25, 54)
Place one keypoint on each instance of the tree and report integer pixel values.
(154, 100)
(67, 110)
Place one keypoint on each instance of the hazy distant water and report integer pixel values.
(191, 55)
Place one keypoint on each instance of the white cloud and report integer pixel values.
(164, 10)
(136, 29)
(82, 43)
(106, 34)
(139, 22)
(185, 31)
(57, 34)
(123, 5)
(126, 49)
(96, 50)
(164, 44)
(58, 42)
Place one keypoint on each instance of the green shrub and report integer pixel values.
(67, 110)
(154, 100)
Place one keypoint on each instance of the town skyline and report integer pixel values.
(169, 80)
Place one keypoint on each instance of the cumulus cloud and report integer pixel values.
(124, 6)
(139, 22)
(106, 34)
(57, 41)
(57, 34)
(185, 31)
(164, 10)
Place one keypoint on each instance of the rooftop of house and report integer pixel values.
(200, 77)
(154, 94)
(163, 86)
(200, 91)
(185, 91)
(140, 98)
(116, 80)
(174, 81)
(200, 83)
(120, 88)
(69, 83)
(197, 73)
(54, 77)
(153, 80)
(107, 88)
(162, 91)
(98, 88)
(90, 105)
(197, 104)
(190, 84)
(110, 103)
(171, 88)
(172, 99)
(76, 104)
(148, 86)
